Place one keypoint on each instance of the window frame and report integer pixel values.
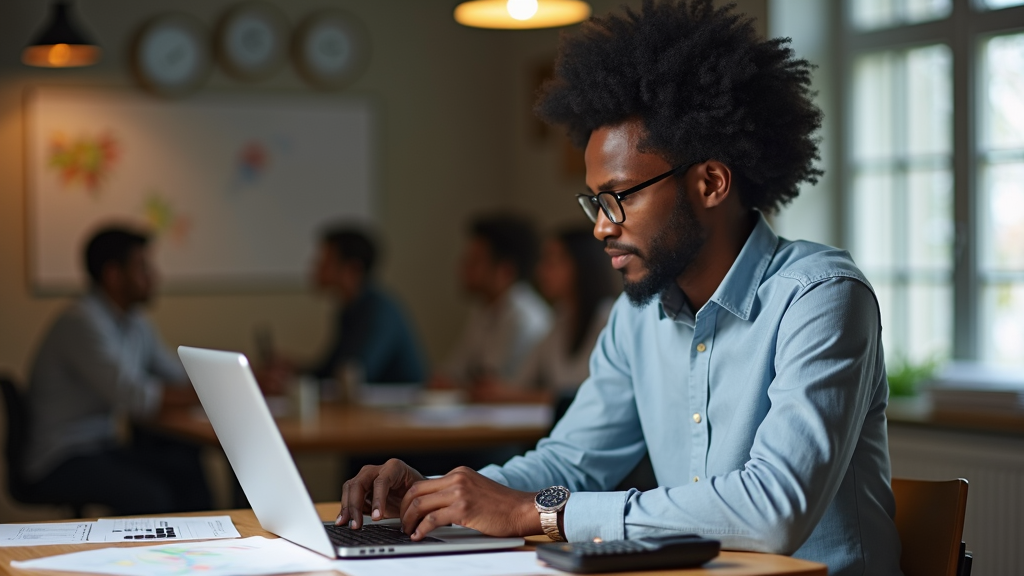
(964, 30)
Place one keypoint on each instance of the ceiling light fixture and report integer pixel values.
(521, 14)
(61, 44)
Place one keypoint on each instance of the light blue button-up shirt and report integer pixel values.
(763, 413)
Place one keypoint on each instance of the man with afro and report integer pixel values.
(748, 366)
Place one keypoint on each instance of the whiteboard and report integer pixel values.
(233, 187)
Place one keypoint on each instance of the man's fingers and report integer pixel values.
(424, 502)
(381, 490)
(354, 496)
(440, 517)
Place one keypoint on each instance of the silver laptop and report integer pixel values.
(267, 473)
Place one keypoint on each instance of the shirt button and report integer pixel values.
(696, 418)
(696, 478)
(701, 347)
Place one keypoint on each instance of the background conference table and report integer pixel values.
(353, 429)
(727, 564)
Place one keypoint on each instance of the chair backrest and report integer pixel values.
(16, 411)
(930, 521)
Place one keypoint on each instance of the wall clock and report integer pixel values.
(252, 40)
(331, 49)
(170, 55)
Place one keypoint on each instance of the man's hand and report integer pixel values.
(469, 499)
(376, 490)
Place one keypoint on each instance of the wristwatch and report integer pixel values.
(549, 502)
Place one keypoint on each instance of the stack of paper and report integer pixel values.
(249, 556)
(150, 530)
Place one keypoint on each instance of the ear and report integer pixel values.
(715, 184)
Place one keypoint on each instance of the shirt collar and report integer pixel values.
(738, 289)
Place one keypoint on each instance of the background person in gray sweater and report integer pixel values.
(100, 366)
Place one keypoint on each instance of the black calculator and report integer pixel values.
(651, 553)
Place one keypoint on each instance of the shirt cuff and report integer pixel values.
(590, 515)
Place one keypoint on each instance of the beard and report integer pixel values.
(672, 250)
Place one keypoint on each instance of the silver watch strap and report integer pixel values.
(549, 523)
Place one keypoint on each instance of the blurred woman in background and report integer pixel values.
(575, 276)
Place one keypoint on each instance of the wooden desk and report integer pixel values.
(356, 430)
(727, 564)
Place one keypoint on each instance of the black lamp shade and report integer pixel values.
(61, 44)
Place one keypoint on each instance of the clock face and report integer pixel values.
(328, 49)
(170, 55)
(331, 49)
(251, 41)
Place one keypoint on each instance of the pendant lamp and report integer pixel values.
(521, 14)
(61, 44)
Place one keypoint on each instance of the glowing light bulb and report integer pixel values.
(522, 9)
(59, 55)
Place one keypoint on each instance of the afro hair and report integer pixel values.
(704, 86)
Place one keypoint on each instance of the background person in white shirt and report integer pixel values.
(100, 363)
(508, 317)
(574, 276)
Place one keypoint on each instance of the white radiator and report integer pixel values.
(994, 468)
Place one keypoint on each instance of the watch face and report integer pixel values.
(553, 498)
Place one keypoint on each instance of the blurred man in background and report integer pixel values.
(371, 332)
(101, 363)
(508, 318)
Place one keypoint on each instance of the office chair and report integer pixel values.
(930, 521)
(18, 427)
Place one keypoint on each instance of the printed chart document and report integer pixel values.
(246, 557)
(44, 534)
(118, 530)
(163, 529)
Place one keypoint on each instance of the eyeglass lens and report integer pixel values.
(612, 209)
(589, 207)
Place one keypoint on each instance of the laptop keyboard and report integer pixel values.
(371, 535)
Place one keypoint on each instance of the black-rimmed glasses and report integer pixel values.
(611, 202)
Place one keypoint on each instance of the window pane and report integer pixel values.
(1002, 227)
(997, 4)
(1003, 104)
(1004, 316)
(873, 14)
(902, 192)
(929, 323)
(930, 229)
(925, 10)
(929, 100)
(873, 221)
(873, 104)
